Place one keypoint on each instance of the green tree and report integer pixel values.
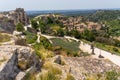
(42, 26)
(20, 27)
(45, 42)
(77, 34)
(111, 75)
(34, 24)
(88, 35)
(50, 20)
(60, 32)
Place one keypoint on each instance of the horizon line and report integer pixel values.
(66, 9)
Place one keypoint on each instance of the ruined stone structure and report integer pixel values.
(8, 20)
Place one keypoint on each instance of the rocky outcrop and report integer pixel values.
(8, 20)
(83, 67)
(17, 59)
(19, 15)
(10, 70)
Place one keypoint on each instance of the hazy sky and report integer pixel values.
(58, 4)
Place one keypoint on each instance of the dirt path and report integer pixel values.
(87, 48)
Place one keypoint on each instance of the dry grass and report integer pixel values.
(70, 77)
(53, 72)
(44, 53)
(4, 38)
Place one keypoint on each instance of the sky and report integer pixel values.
(58, 4)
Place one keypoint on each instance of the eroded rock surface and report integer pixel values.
(8, 20)
(16, 59)
(81, 66)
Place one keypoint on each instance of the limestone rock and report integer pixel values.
(8, 20)
(17, 59)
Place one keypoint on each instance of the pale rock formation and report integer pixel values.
(15, 60)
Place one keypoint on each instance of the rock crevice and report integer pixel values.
(19, 59)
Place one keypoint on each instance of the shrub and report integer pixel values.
(88, 35)
(50, 67)
(49, 76)
(70, 77)
(117, 43)
(29, 76)
(111, 75)
(84, 54)
(60, 32)
(45, 42)
(42, 52)
(115, 49)
(53, 73)
(21, 42)
(22, 65)
(30, 37)
(34, 24)
(105, 40)
(20, 27)
(75, 54)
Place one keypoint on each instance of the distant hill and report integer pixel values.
(64, 12)
(103, 15)
(72, 12)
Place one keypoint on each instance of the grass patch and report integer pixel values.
(30, 76)
(49, 76)
(50, 67)
(109, 48)
(53, 72)
(2, 60)
(112, 75)
(43, 48)
(42, 52)
(4, 38)
(30, 37)
(22, 65)
(55, 27)
(70, 77)
(71, 46)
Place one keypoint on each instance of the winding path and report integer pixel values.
(87, 48)
(107, 55)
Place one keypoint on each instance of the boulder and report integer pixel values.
(17, 59)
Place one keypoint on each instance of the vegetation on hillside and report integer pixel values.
(110, 28)
(30, 37)
(104, 15)
(114, 27)
(20, 27)
(52, 72)
(70, 47)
